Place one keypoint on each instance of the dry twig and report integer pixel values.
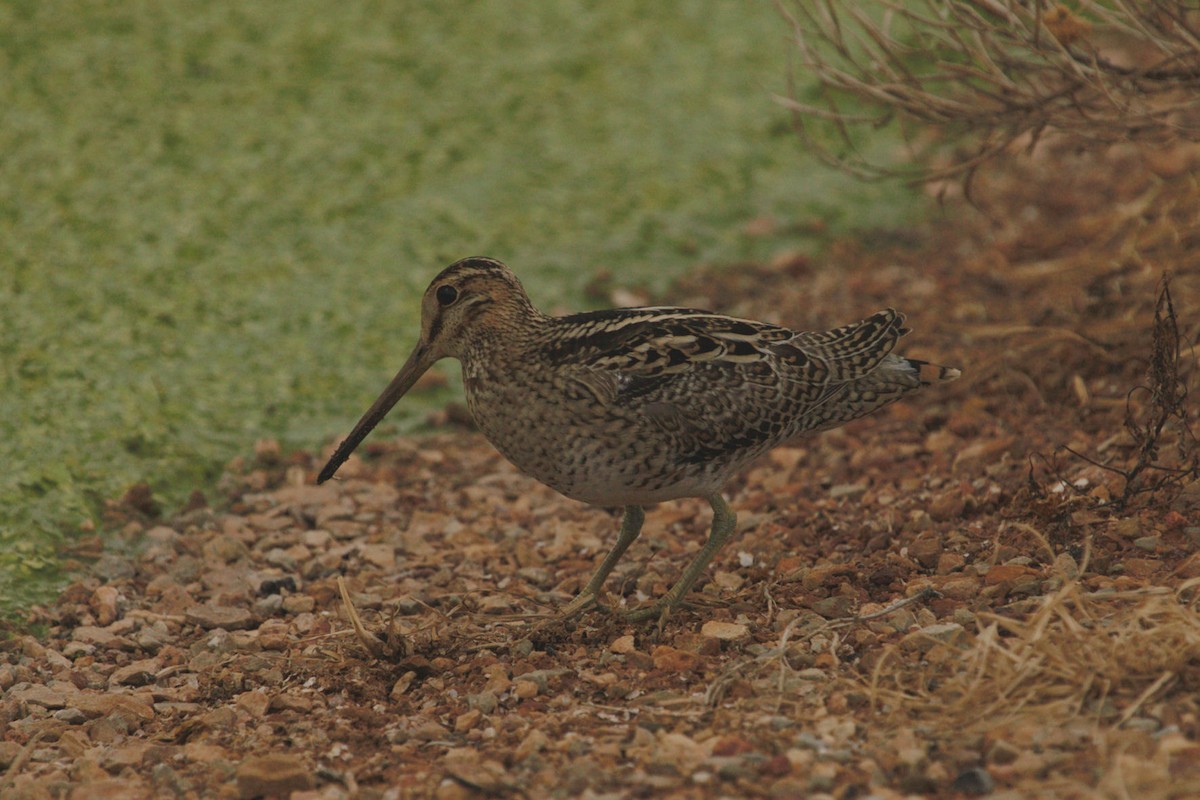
(1166, 410)
(396, 646)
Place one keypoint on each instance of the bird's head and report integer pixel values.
(472, 301)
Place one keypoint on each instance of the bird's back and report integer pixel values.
(641, 405)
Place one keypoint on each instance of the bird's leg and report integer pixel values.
(631, 526)
(723, 524)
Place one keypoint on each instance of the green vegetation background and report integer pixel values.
(216, 219)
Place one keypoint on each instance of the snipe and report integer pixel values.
(638, 405)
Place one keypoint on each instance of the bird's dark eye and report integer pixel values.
(446, 294)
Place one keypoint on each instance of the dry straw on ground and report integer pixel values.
(1101, 655)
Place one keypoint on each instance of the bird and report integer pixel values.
(629, 407)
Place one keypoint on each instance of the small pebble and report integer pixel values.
(71, 716)
(273, 776)
(725, 631)
(974, 781)
(210, 617)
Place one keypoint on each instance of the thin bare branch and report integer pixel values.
(991, 72)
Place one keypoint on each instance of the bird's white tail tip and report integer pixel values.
(934, 373)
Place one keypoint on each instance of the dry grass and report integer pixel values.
(1100, 655)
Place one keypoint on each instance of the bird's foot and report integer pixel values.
(583, 601)
(549, 626)
(660, 611)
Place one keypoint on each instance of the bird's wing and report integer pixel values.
(650, 342)
(843, 354)
(631, 346)
(696, 371)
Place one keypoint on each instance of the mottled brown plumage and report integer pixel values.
(639, 405)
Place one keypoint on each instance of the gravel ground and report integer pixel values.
(937, 601)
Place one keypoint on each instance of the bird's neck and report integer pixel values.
(506, 335)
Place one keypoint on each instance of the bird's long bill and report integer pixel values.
(415, 367)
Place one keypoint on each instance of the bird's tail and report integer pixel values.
(894, 377)
(931, 373)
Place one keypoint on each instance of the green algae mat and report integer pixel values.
(216, 219)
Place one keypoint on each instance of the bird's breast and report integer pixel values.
(564, 433)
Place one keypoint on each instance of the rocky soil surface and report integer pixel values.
(942, 600)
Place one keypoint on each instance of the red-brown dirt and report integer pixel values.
(940, 600)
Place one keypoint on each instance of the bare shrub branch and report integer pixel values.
(986, 74)
(1167, 406)
(1164, 419)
